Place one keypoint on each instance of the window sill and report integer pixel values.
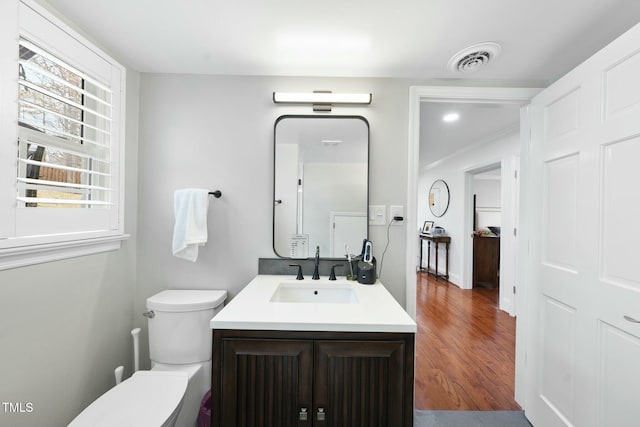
(37, 254)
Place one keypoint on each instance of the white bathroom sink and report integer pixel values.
(314, 293)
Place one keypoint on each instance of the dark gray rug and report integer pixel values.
(470, 419)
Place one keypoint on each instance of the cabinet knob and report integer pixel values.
(303, 414)
(320, 414)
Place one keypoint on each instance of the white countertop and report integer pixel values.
(251, 309)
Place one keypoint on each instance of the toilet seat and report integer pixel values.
(147, 398)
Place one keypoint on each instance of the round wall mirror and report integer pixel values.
(439, 198)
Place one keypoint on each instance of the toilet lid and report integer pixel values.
(148, 398)
(186, 300)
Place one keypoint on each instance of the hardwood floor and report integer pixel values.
(465, 349)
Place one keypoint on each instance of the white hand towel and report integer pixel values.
(190, 230)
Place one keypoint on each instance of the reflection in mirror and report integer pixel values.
(439, 198)
(320, 185)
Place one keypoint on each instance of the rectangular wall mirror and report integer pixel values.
(321, 185)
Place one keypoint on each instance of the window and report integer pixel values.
(65, 198)
(64, 134)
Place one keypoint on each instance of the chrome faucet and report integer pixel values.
(316, 276)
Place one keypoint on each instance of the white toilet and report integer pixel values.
(180, 351)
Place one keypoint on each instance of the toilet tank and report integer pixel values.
(179, 331)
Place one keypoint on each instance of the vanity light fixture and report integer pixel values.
(321, 100)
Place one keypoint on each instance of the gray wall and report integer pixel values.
(65, 325)
(216, 132)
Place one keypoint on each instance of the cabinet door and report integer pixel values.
(359, 384)
(266, 383)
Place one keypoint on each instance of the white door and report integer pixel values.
(583, 354)
(286, 201)
(348, 228)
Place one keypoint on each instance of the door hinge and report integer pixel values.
(515, 231)
(515, 174)
(514, 290)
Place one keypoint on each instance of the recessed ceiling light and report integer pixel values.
(450, 117)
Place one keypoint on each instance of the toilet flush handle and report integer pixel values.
(149, 314)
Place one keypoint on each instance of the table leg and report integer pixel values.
(436, 272)
(447, 260)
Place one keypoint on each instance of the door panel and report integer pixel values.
(266, 383)
(621, 213)
(359, 384)
(618, 401)
(622, 88)
(561, 117)
(584, 260)
(559, 351)
(559, 226)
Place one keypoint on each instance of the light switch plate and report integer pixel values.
(377, 215)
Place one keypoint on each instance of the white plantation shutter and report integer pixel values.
(50, 184)
(64, 150)
(63, 194)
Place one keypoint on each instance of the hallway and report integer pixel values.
(465, 349)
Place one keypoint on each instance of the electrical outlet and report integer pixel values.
(377, 215)
(394, 211)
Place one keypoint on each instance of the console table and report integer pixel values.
(437, 240)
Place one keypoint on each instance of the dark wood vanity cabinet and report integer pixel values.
(289, 378)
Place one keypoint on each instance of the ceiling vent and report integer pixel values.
(472, 58)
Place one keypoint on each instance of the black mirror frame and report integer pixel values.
(448, 198)
(273, 183)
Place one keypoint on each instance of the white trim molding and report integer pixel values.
(490, 95)
(38, 254)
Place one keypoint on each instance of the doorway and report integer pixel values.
(470, 342)
(486, 225)
(418, 97)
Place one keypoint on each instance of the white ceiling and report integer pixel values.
(541, 39)
(477, 125)
(326, 139)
